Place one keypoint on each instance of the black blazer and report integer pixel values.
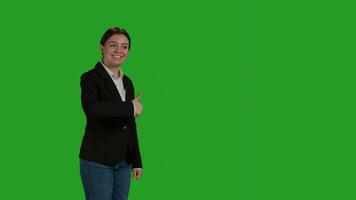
(110, 133)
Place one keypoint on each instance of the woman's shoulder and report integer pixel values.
(92, 73)
(127, 79)
(88, 74)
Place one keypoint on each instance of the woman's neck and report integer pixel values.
(114, 69)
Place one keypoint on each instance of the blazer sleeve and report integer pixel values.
(135, 148)
(137, 162)
(95, 108)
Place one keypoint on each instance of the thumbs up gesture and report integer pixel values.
(138, 106)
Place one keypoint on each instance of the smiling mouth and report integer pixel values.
(117, 56)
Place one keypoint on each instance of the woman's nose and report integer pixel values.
(118, 49)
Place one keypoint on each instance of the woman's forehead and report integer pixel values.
(118, 38)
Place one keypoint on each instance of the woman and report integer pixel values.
(109, 147)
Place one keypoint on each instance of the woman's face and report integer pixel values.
(115, 50)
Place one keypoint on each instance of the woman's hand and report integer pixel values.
(137, 173)
(138, 106)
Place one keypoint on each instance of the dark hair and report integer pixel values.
(112, 31)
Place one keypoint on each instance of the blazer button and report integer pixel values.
(124, 127)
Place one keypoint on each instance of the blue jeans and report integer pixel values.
(101, 182)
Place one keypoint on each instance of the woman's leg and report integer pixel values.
(97, 180)
(122, 179)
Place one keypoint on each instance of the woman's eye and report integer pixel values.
(112, 45)
(125, 47)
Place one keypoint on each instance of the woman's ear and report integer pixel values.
(101, 48)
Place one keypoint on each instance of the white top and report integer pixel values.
(118, 82)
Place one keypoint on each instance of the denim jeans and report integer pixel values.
(101, 182)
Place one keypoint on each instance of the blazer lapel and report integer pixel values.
(108, 82)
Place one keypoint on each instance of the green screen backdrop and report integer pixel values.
(245, 100)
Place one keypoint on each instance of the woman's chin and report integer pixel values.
(115, 63)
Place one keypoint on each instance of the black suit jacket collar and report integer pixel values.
(103, 74)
